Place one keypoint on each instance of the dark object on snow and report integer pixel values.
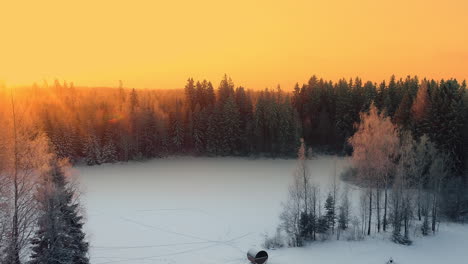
(390, 261)
(257, 256)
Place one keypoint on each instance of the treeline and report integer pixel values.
(408, 186)
(102, 125)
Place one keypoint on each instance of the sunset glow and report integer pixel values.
(159, 44)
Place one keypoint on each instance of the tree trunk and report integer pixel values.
(378, 209)
(15, 225)
(385, 209)
(305, 189)
(370, 212)
(419, 203)
(434, 213)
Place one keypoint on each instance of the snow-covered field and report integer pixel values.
(212, 210)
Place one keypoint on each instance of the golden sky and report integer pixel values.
(259, 43)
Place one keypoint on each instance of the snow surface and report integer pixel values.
(212, 210)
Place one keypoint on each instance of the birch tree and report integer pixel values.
(300, 196)
(24, 156)
(374, 148)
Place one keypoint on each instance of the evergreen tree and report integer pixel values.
(307, 226)
(210, 95)
(323, 225)
(92, 150)
(199, 129)
(446, 120)
(344, 211)
(330, 211)
(420, 110)
(225, 90)
(177, 131)
(191, 94)
(231, 129)
(214, 132)
(244, 102)
(109, 151)
(59, 237)
(391, 101)
(345, 116)
(403, 113)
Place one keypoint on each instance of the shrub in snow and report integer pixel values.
(277, 241)
(354, 232)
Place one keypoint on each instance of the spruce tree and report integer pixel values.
(330, 211)
(403, 113)
(92, 150)
(59, 237)
(231, 129)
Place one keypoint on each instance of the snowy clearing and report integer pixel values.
(212, 210)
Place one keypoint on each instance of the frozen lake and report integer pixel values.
(179, 210)
(212, 210)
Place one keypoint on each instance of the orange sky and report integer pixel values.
(259, 43)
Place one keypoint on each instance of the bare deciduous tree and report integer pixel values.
(24, 156)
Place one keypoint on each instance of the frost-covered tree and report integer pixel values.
(92, 150)
(59, 237)
(23, 157)
(374, 148)
(291, 215)
(401, 194)
(297, 218)
(302, 176)
(330, 215)
(344, 211)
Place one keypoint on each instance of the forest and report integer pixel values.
(100, 125)
(407, 139)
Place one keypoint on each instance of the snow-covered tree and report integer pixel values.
(330, 215)
(59, 237)
(344, 211)
(374, 148)
(92, 150)
(23, 157)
